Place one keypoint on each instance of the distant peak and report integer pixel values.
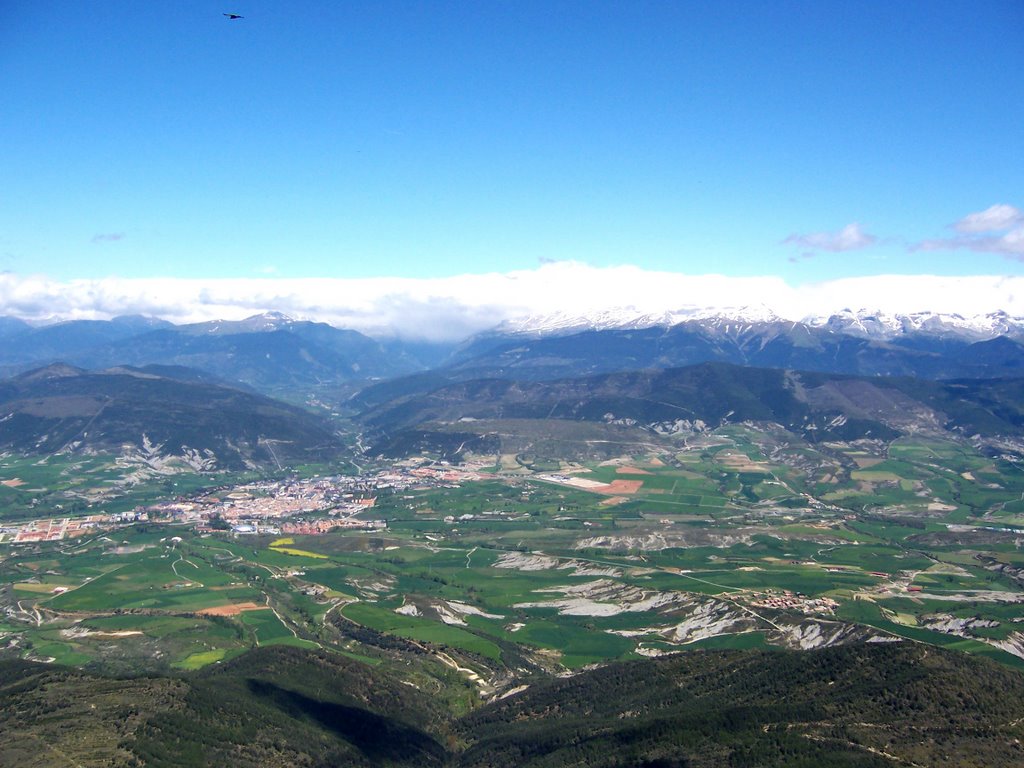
(267, 320)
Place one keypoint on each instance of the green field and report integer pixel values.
(517, 572)
(66, 485)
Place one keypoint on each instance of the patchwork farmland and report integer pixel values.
(492, 575)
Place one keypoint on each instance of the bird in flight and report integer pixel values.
(233, 16)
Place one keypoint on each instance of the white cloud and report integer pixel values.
(993, 219)
(904, 294)
(850, 238)
(998, 229)
(454, 307)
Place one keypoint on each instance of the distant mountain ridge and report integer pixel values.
(270, 352)
(296, 359)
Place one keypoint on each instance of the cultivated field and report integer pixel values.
(740, 539)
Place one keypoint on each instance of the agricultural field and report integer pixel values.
(742, 539)
(65, 484)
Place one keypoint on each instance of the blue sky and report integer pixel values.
(432, 139)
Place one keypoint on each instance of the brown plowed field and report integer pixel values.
(621, 486)
(231, 610)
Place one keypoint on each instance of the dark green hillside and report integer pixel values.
(283, 706)
(987, 406)
(58, 716)
(818, 406)
(710, 392)
(863, 705)
(65, 409)
(271, 707)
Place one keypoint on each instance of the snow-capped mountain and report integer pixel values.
(878, 325)
(632, 317)
(262, 323)
(862, 323)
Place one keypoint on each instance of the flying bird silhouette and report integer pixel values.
(233, 16)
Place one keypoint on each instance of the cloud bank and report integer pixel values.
(455, 307)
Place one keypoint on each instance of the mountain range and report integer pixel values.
(278, 355)
(861, 374)
(773, 344)
(270, 352)
(865, 323)
(783, 346)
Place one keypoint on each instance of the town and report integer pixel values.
(303, 506)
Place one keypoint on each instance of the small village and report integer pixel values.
(785, 600)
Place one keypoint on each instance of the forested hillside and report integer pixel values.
(861, 705)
